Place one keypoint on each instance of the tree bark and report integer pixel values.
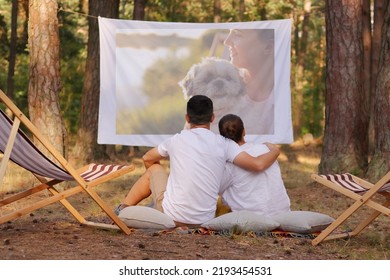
(12, 50)
(139, 9)
(345, 146)
(87, 148)
(299, 80)
(380, 162)
(44, 76)
(83, 6)
(367, 42)
(375, 48)
(23, 39)
(241, 10)
(217, 10)
(262, 11)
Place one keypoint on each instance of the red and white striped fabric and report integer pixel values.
(27, 155)
(98, 170)
(346, 181)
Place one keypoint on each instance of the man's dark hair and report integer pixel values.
(232, 127)
(200, 109)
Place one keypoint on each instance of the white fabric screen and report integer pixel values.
(142, 63)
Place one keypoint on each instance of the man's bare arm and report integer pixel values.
(152, 157)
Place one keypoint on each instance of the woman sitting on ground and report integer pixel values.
(262, 192)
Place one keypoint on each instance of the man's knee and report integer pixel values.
(156, 167)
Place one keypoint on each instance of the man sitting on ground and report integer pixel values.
(197, 162)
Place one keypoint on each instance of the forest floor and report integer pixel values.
(52, 233)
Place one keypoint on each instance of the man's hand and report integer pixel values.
(272, 147)
(259, 163)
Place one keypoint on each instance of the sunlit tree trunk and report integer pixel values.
(301, 48)
(380, 162)
(241, 9)
(262, 11)
(367, 42)
(83, 6)
(217, 10)
(375, 48)
(87, 147)
(24, 37)
(12, 50)
(346, 139)
(44, 76)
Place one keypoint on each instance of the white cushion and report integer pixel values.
(241, 221)
(302, 221)
(145, 217)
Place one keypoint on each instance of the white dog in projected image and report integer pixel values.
(221, 81)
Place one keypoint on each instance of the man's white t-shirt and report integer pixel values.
(197, 162)
(261, 192)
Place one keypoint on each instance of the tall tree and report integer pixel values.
(12, 50)
(346, 139)
(217, 10)
(380, 162)
(139, 9)
(83, 6)
(87, 147)
(241, 10)
(44, 76)
(301, 48)
(378, 12)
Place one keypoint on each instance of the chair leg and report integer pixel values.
(23, 194)
(341, 219)
(110, 213)
(324, 235)
(369, 219)
(40, 204)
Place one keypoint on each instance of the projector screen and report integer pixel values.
(148, 71)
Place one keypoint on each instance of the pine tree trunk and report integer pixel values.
(262, 11)
(12, 50)
(44, 76)
(87, 148)
(241, 10)
(380, 162)
(345, 140)
(367, 43)
(299, 80)
(375, 48)
(217, 10)
(139, 9)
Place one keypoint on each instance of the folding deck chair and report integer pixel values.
(16, 146)
(363, 192)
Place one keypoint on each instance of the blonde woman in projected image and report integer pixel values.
(252, 50)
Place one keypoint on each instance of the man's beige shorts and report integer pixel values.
(158, 185)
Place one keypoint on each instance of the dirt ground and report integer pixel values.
(52, 233)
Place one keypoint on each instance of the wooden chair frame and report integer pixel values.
(365, 198)
(49, 184)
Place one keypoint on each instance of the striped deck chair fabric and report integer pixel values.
(28, 156)
(346, 181)
(16, 146)
(363, 192)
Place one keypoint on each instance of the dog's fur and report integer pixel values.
(218, 79)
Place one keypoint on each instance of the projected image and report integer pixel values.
(158, 70)
(149, 70)
(149, 67)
